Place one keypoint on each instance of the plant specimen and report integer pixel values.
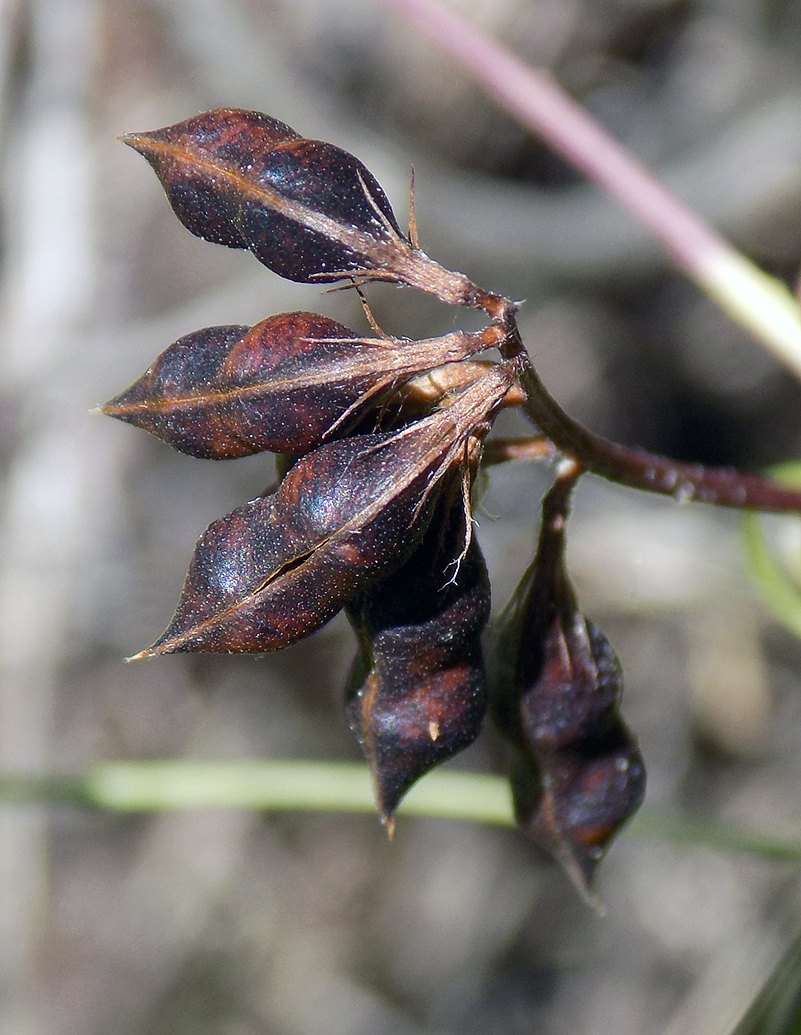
(379, 442)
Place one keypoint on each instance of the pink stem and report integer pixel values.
(538, 100)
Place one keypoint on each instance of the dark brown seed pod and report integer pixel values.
(573, 801)
(285, 385)
(578, 774)
(246, 180)
(418, 691)
(566, 677)
(306, 209)
(344, 516)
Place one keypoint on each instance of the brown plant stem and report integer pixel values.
(722, 486)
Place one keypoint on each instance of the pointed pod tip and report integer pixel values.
(109, 409)
(141, 142)
(148, 652)
(389, 825)
(580, 865)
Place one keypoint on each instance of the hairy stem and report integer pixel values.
(722, 486)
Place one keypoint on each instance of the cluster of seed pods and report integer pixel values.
(380, 440)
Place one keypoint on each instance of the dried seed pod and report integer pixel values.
(567, 677)
(285, 385)
(578, 774)
(574, 800)
(344, 516)
(418, 687)
(246, 180)
(306, 209)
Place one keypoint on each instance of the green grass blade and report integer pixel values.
(279, 785)
(777, 1007)
(777, 587)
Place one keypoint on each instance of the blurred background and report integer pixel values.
(243, 924)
